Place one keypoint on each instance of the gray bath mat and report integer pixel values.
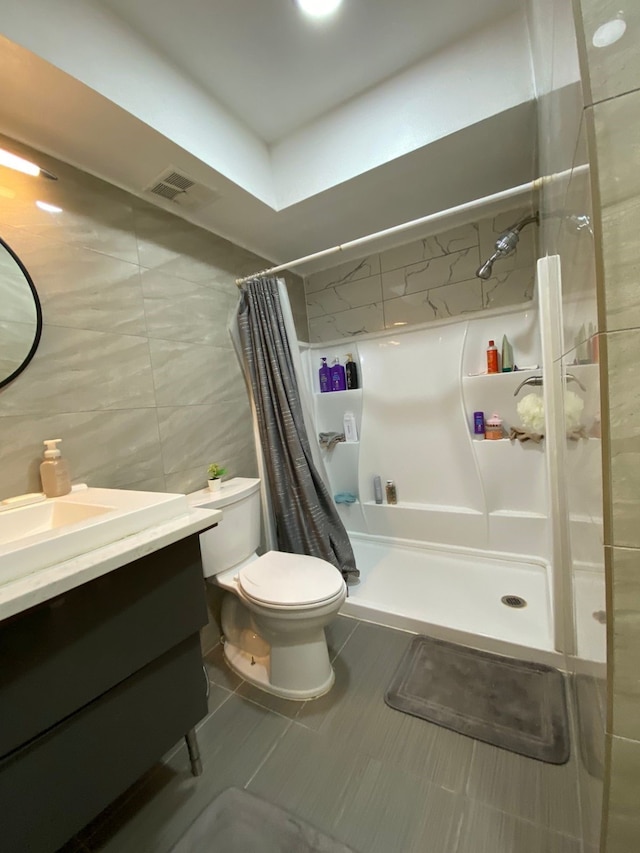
(238, 822)
(509, 703)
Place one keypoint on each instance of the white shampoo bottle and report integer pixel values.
(350, 429)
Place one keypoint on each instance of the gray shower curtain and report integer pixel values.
(306, 519)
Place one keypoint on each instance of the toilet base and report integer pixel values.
(255, 670)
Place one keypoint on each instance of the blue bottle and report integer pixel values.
(325, 376)
(338, 377)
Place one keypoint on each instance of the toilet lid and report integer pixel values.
(289, 579)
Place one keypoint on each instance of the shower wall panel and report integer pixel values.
(414, 413)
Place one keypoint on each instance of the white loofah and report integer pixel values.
(531, 411)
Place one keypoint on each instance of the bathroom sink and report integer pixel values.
(43, 534)
(42, 517)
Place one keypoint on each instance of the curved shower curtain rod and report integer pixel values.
(536, 184)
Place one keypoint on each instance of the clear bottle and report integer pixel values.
(392, 493)
(54, 471)
(324, 375)
(351, 369)
(377, 489)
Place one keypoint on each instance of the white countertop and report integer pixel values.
(32, 589)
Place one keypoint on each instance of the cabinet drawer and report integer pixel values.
(61, 655)
(55, 785)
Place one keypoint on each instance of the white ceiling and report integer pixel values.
(310, 135)
(276, 69)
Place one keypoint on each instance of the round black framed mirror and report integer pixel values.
(20, 315)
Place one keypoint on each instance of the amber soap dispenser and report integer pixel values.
(54, 471)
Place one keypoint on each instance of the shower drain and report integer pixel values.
(513, 601)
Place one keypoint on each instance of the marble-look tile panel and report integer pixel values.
(508, 287)
(82, 288)
(623, 816)
(623, 349)
(357, 321)
(625, 571)
(189, 480)
(332, 300)
(152, 484)
(615, 69)
(110, 449)
(239, 459)
(75, 370)
(342, 273)
(93, 215)
(189, 374)
(443, 243)
(179, 310)
(295, 290)
(170, 245)
(427, 275)
(617, 137)
(198, 435)
(495, 226)
(436, 304)
(301, 323)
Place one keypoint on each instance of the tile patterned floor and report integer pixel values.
(377, 779)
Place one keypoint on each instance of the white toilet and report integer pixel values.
(277, 605)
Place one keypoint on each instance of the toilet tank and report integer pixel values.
(237, 536)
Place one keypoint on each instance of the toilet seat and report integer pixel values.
(285, 581)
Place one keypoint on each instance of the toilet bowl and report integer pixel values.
(276, 606)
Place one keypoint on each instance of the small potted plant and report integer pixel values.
(215, 473)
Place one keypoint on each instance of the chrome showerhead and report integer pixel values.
(484, 272)
(506, 244)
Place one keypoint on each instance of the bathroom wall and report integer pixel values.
(612, 104)
(431, 278)
(135, 371)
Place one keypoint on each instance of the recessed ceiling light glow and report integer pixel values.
(50, 208)
(318, 8)
(11, 161)
(609, 33)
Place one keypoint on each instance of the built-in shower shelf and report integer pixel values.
(524, 444)
(463, 510)
(334, 394)
(509, 373)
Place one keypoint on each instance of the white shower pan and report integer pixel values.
(454, 594)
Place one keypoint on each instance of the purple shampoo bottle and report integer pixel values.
(338, 377)
(325, 376)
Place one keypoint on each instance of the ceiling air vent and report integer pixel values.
(182, 190)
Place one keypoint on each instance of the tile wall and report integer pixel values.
(427, 279)
(135, 371)
(612, 118)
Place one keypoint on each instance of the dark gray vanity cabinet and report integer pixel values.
(95, 686)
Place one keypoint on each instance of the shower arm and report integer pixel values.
(538, 380)
(506, 244)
